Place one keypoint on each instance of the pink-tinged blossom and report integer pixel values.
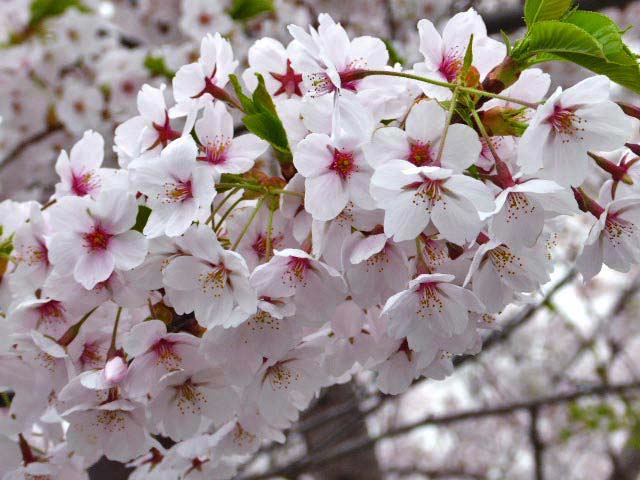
(444, 55)
(147, 132)
(330, 61)
(219, 150)
(421, 141)
(375, 268)
(567, 126)
(116, 429)
(284, 387)
(197, 83)
(80, 172)
(314, 286)
(186, 402)
(31, 252)
(431, 308)
(176, 188)
(335, 172)
(270, 58)
(209, 280)
(498, 273)
(156, 353)
(269, 333)
(521, 211)
(253, 246)
(412, 196)
(614, 239)
(94, 237)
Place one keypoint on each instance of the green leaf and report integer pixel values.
(247, 9)
(541, 10)
(607, 34)
(141, 219)
(557, 38)
(262, 119)
(43, 9)
(246, 102)
(157, 67)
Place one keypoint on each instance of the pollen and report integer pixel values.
(619, 231)
(188, 398)
(430, 300)
(176, 192)
(296, 273)
(215, 151)
(280, 377)
(84, 183)
(421, 154)
(505, 261)
(97, 240)
(566, 123)
(518, 204)
(343, 163)
(213, 281)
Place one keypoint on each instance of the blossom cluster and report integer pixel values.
(181, 310)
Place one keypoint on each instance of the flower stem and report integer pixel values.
(269, 234)
(246, 227)
(112, 348)
(450, 86)
(224, 200)
(226, 214)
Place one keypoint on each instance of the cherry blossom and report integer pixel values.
(95, 237)
(569, 124)
(411, 196)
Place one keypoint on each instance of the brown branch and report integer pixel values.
(436, 473)
(356, 445)
(14, 154)
(536, 443)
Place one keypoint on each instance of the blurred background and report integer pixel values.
(553, 394)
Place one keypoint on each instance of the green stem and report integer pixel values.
(277, 191)
(224, 200)
(450, 86)
(452, 108)
(226, 214)
(246, 227)
(71, 333)
(269, 234)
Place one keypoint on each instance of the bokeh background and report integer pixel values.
(555, 392)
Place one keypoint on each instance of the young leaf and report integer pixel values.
(247, 9)
(557, 38)
(246, 102)
(541, 10)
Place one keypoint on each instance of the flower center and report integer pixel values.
(215, 151)
(91, 355)
(167, 356)
(518, 204)
(450, 66)
(618, 230)
(52, 311)
(420, 154)
(289, 81)
(177, 192)
(297, 270)
(430, 300)
(565, 122)
(83, 184)
(504, 261)
(428, 192)
(214, 280)
(343, 163)
(165, 133)
(97, 240)
(280, 377)
(189, 398)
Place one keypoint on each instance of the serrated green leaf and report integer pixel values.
(142, 218)
(541, 10)
(607, 34)
(557, 38)
(247, 9)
